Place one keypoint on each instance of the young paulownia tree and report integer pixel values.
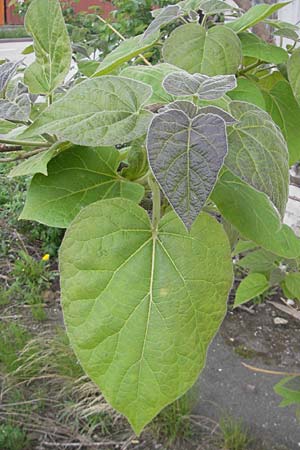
(210, 131)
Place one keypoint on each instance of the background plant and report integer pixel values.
(200, 133)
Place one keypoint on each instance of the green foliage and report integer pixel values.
(142, 299)
(265, 271)
(289, 389)
(44, 22)
(13, 337)
(12, 437)
(167, 282)
(235, 437)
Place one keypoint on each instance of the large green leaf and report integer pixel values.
(44, 21)
(127, 50)
(186, 150)
(251, 286)
(76, 177)
(285, 111)
(142, 308)
(248, 91)
(257, 152)
(257, 48)
(216, 51)
(153, 76)
(254, 15)
(293, 68)
(101, 111)
(252, 213)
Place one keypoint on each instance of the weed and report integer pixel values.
(234, 435)
(13, 337)
(12, 437)
(173, 421)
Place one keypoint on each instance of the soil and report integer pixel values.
(227, 387)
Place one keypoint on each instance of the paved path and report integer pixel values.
(12, 50)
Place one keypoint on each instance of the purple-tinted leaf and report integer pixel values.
(186, 155)
(206, 88)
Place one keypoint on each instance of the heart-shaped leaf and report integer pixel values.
(142, 308)
(248, 91)
(206, 88)
(101, 111)
(194, 49)
(186, 153)
(76, 177)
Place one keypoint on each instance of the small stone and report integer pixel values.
(251, 387)
(290, 302)
(280, 321)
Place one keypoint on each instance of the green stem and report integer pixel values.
(252, 66)
(155, 202)
(24, 143)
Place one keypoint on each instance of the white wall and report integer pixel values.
(290, 13)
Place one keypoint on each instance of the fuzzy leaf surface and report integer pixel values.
(194, 49)
(17, 109)
(76, 177)
(45, 22)
(142, 308)
(101, 111)
(7, 71)
(258, 153)
(252, 213)
(127, 50)
(206, 88)
(153, 76)
(186, 154)
(166, 15)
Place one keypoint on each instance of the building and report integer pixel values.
(9, 17)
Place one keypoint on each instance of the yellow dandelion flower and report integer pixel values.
(46, 257)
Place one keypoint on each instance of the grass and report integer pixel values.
(234, 434)
(13, 337)
(12, 437)
(13, 32)
(173, 421)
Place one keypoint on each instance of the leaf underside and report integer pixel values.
(186, 153)
(141, 309)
